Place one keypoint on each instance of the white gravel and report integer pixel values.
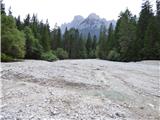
(80, 90)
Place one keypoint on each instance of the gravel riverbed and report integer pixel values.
(80, 90)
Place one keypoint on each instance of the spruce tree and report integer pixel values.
(82, 53)
(127, 33)
(33, 47)
(110, 39)
(89, 44)
(145, 15)
(101, 49)
(56, 38)
(27, 20)
(94, 43)
(19, 23)
(65, 39)
(2, 8)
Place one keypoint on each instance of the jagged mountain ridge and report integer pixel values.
(90, 24)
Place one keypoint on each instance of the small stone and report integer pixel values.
(141, 108)
(32, 116)
(53, 112)
(20, 110)
(151, 105)
(120, 115)
(18, 119)
(112, 116)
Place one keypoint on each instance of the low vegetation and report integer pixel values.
(49, 56)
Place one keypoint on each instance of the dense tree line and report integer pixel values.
(133, 38)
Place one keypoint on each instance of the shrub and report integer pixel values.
(49, 56)
(6, 58)
(113, 55)
(12, 40)
(92, 54)
(61, 54)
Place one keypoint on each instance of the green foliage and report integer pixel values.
(56, 38)
(12, 40)
(19, 23)
(144, 19)
(132, 39)
(110, 39)
(71, 39)
(6, 58)
(45, 38)
(33, 47)
(92, 54)
(27, 20)
(49, 56)
(102, 43)
(152, 41)
(89, 44)
(127, 35)
(61, 54)
(66, 40)
(82, 53)
(94, 43)
(113, 55)
(2, 7)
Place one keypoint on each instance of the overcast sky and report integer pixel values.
(61, 11)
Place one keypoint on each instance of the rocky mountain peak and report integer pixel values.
(78, 18)
(93, 16)
(90, 24)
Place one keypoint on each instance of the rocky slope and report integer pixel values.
(80, 90)
(90, 24)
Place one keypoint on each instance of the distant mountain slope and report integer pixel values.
(90, 24)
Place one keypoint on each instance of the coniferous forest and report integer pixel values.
(133, 38)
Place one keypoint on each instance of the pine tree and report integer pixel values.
(59, 38)
(33, 47)
(34, 26)
(65, 39)
(94, 44)
(145, 15)
(110, 39)
(82, 53)
(101, 49)
(158, 8)
(56, 38)
(151, 48)
(75, 44)
(9, 11)
(46, 38)
(2, 8)
(89, 44)
(127, 33)
(19, 23)
(151, 42)
(158, 26)
(27, 20)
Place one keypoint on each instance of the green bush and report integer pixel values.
(6, 58)
(49, 56)
(61, 54)
(92, 54)
(12, 40)
(113, 55)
